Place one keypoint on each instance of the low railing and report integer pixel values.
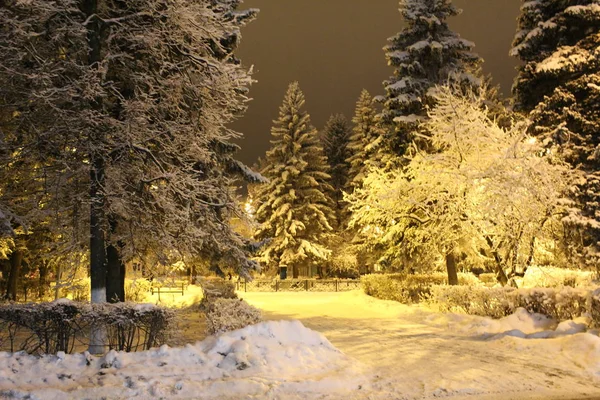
(298, 285)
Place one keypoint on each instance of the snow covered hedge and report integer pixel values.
(409, 289)
(224, 315)
(63, 325)
(224, 311)
(561, 304)
(299, 285)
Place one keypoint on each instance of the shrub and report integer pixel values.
(134, 326)
(218, 288)
(47, 328)
(136, 290)
(551, 277)
(224, 315)
(407, 288)
(562, 305)
(488, 279)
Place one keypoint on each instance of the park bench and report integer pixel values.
(172, 288)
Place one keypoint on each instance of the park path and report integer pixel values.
(415, 353)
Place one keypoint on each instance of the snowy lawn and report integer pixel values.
(414, 352)
(351, 347)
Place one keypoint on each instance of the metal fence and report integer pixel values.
(298, 285)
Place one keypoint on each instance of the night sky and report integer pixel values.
(334, 49)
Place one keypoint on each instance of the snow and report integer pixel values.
(568, 58)
(422, 354)
(336, 346)
(267, 358)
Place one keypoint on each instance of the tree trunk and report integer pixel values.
(97, 197)
(43, 282)
(115, 275)
(500, 273)
(16, 259)
(451, 269)
(295, 272)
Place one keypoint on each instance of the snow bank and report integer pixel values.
(271, 357)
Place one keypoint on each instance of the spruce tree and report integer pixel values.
(424, 54)
(293, 208)
(559, 86)
(365, 141)
(335, 138)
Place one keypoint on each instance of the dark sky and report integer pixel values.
(334, 49)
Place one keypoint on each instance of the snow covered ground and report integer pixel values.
(347, 346)
(413, 352)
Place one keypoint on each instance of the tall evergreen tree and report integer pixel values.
(424, 54)
(123, 108)
(559, 85)
(365, 141)
(335, 138)
(293, 208)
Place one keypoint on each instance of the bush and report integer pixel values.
(136, 290)
(47, 328)
(407, 288)
(224, 315)
(551, 277)
(218, 288)
(562, 305)
(488, 278)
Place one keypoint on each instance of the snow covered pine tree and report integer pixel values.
(424, 54)
(559, 85)
(335, 138)
(293, 208)
(367, 136)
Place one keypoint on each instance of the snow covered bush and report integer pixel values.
(137, 289)
(225, 314)
(409, 288)
(132, 327)
(488, 279)
(557, 277)
(384, 288)
(470, 300)
(562, 305)
(217, 288)
(63, 325)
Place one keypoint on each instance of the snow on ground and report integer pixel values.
(415, 353)
(268, 360)
(347, 346)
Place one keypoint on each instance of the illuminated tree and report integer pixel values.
(485, 193)
(424, 54)
(366, 139)
(293, 208)
(559, 85)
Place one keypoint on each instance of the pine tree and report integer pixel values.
(365, 141)
(559, 85)
(123, 108)
(293, 208)
(424, 54)
(335, 138)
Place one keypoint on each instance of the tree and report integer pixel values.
(365, 141)
(424, 54)
(558, 84)
(293, 208)
(485, 194)
(335, 139)
(123, 108)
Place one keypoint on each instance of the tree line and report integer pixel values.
(439, 171)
